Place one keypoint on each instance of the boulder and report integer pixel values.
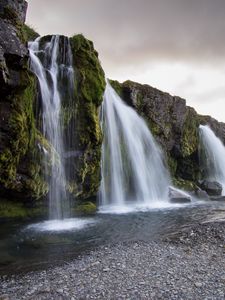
(199, 193)
(212, 188)
(178, 196)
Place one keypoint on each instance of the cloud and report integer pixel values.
(175, 45)
(126, 31)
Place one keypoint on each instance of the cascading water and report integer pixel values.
(212, 156)
(51, 61)
(132, 163)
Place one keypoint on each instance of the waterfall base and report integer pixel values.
(62, 225)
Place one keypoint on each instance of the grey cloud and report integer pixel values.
(138, 31)
(214, 94)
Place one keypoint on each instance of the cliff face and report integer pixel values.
(174, 125)
(19, 172)
(21, 141)
(89, 89)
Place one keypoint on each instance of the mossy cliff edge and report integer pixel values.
(20, 158)
(21, 142)
(174, 125)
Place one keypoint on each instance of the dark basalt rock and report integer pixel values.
(212, 188)
(199, 193)
(20, 167)
(13, 10)
(174, 125)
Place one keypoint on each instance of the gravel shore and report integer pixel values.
(189, 264)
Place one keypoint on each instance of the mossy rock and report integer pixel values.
(117, 87)
(185, 185)
(29, 33)
(190, 134)
(86, 208)
(89, 89)
(18, 210)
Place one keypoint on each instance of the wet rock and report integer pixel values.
(201, 194)
(173, 124)
(218, 198)
(177, 196)
(198, 284)
(212, 188)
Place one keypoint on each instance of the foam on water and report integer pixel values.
(133, 208)
(70, 224)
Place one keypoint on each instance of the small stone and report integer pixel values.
(152, 295)
(59, 291)
(95, 263)
(106, 270)
(46, 290)
(198, 284)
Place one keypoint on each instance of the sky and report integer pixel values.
(177, 46)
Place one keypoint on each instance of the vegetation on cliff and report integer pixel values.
(89, 88)
(174, 125)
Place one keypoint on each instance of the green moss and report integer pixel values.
(172, 164)
(91, 77)
(184, 184)
(89, 89)
(117, 87)
(22, 147)
(86, 208)
(190, 135)
(9, 209)
(29, 33)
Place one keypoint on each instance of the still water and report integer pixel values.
(25, 246)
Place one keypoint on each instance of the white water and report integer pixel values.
(62, 225)
(52, 64)
(212, 156)
(133, 171)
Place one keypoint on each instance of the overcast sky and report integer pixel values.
(177, 46)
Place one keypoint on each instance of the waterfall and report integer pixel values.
(133, 169)
(212, 156)
(51, 62)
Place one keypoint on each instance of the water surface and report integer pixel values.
(26, 246)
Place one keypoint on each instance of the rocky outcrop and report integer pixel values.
(20, 167)
(89, 89)
(21, 142)
(212, 188)
(80, 113)
(174, 125)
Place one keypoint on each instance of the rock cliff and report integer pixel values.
(21, 141)
(174, 125)
(20, 175)
(172, 122)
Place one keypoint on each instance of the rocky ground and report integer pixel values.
(185, 265)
